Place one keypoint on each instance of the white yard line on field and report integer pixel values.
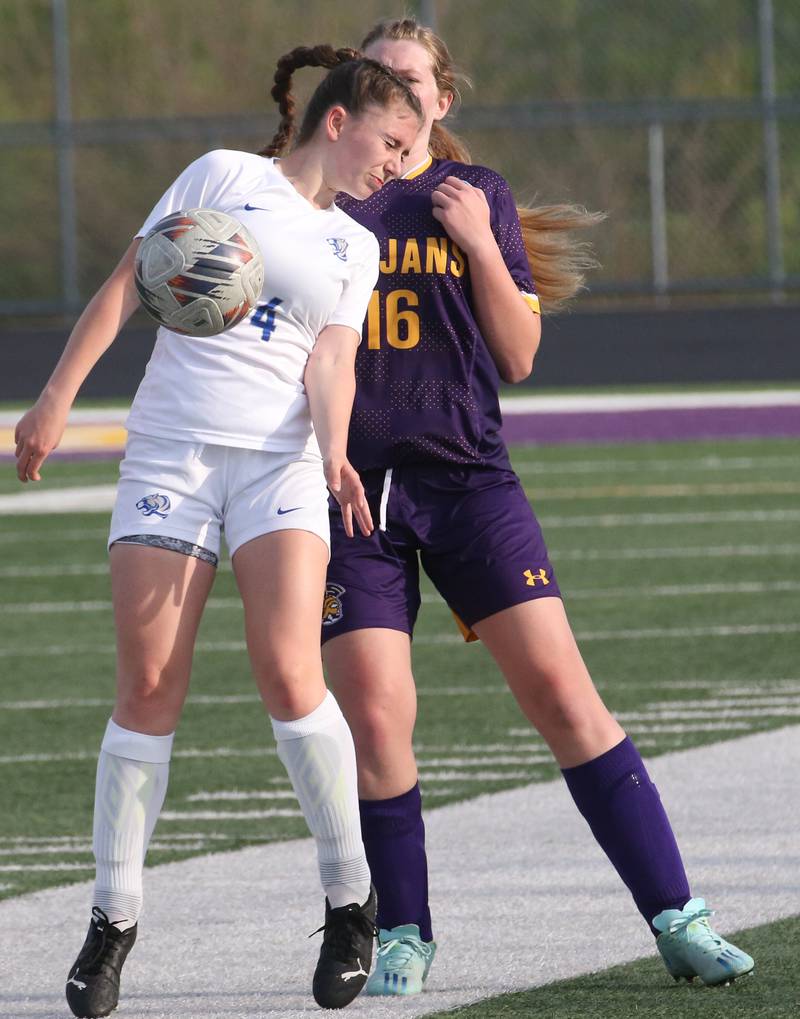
(689, 727)
(227, 815)
(474, 777)
(674, 491)
(680, 632)
(95, 499)
(541, 402)
(575, 594)
(100, 498)
(684, 552)
(523, 857)
(648, 633)
(586, 403)
(67, 703)
(52, 840)
(54, 570)
(239, 795)
(496, 755)
(732, 697)
(85, 848)
(578, 554)
(56, 536)
(687, 590)
(788, 711)
(91, 755)
(96, 535)
(752, 695)
(10, 868)
(52, 607)
(663, 519)
(494, 759)
(663, 465)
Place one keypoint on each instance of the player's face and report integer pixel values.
(371, 148)
(411, 61)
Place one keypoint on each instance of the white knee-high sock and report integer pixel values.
(318, 753)
(132, 773)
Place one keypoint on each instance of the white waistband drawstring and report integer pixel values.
(387, 484)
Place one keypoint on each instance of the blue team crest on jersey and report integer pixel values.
(332, 610)
(339, 245)
(154, 504)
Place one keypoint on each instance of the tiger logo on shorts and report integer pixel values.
(332, 610)
(154, 504)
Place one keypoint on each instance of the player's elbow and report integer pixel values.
(516, 369)
(516, 362)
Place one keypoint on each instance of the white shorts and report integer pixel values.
(183, 495)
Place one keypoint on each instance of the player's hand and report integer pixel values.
(345, 485)
(37, 434)
(464, 213)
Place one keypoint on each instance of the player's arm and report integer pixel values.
(39, 431)
(511, 329)
(330, 383)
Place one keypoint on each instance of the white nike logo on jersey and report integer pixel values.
(360, 972)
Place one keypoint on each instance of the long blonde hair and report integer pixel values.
(558, 261)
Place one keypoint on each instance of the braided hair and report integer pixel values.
(353, 82)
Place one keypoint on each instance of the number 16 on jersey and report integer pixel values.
(399, 323)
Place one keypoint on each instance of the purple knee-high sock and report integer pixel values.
(394, 838)
(615, 795)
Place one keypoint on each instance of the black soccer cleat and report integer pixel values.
(346, 953)
(93, 982)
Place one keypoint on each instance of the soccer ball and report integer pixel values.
(199, 272)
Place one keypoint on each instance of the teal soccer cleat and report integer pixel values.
(691, 948)
(403, 961)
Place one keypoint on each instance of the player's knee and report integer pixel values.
(549, 705)
(146, 693)
(145, 684)
(380, 730)
(285, 683)
(564, 720)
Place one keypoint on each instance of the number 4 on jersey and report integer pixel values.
(264, 317)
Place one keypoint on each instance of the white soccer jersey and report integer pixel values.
(244, 387)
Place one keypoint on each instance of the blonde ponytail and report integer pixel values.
(558, 261)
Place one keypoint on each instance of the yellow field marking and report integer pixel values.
(80, 438)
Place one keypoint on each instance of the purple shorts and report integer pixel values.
(476, 536)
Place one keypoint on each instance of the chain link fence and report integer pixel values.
(682, 121)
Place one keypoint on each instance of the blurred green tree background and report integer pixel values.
(563, 100)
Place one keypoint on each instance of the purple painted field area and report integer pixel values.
(658, 425)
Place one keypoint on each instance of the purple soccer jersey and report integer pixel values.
(426, 382)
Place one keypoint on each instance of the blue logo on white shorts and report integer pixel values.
(154, 505)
